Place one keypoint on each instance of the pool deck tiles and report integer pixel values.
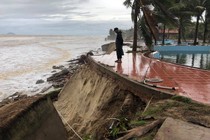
(190, 82)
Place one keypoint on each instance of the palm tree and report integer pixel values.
(207, 19)
(205, 28)
(148, 15)
(198, 7)
(164, 22)
(134, 14)
(183, 13)
(150, 20)
(146, 34)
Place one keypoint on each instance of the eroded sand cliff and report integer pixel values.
(90, 101)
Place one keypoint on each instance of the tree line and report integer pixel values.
(186, 16)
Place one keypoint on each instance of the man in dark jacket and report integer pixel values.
(119, 44)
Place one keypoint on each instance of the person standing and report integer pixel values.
(119, 45)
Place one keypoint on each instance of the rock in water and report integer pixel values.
(40, 81)
(58, 75)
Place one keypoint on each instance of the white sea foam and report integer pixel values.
(25, 59)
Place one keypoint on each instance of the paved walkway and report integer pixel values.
(181, 80)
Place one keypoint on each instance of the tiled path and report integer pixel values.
(189, 82)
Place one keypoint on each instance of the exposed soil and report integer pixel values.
(96, 108)
(11, 111)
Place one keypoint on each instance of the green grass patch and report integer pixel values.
(182, 99)
(138, 122)
(87, 137)
(161, 108)
(119, 126)
(114, 132)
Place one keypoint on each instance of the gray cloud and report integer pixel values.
(37, 8)
(52, 17)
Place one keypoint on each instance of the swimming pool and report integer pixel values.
(193, 56)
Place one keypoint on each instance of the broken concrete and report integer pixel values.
(174, 129)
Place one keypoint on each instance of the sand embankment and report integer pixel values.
(85, 99)
(94, 96)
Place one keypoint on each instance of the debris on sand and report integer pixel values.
(60, 78)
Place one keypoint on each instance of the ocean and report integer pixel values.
(26, 59)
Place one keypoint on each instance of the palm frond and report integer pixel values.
(146, 34)
(151, 22)
(168, 14)
(199, 8)
(177, 7)
(127, 3)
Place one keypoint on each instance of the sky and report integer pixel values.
(63, 17)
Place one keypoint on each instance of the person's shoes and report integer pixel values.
(118, 61)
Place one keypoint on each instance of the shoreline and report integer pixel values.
(28, 63)
(60, 74)
(31, 55)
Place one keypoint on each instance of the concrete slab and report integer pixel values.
(189, 82)
(173, 129)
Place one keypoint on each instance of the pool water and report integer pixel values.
(193, 59)
(193, 56)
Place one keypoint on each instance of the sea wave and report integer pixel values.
(25, 59)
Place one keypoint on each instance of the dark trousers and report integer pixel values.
(119, 52)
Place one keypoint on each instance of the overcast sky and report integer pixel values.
(67, 17)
